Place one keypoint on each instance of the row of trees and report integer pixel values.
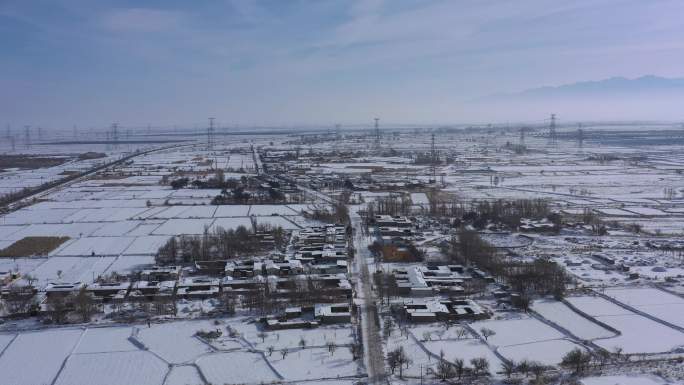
(445, 370)
(218, 244)
(538, 277)
(81, 305)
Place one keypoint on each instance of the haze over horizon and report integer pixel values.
(90, 63)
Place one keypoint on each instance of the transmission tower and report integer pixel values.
(210, 134)
(377, 133)
(115, 132)
(40, 133)
(75, 132)
(553, 138)
(433, 159)
(522, 136)
(580, 136)
(8, 134)
(27, 136)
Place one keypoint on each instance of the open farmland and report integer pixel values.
(214, 260)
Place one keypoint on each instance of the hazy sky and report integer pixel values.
(91, 62)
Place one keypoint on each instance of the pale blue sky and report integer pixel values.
(91, 62)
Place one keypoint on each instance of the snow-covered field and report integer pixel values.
(558, 313)
(623, 380)
(170, 353)
(639, 334)
(527, 338)
(236, 368)
(658, 303)
(135, 367)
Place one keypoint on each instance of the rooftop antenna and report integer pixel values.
(552, 131)
(210, 134)
(377, 133)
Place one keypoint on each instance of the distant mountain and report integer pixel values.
(613, 87)
(644, 98)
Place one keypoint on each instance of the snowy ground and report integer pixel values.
(170, 354)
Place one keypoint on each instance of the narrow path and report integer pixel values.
(372, 343)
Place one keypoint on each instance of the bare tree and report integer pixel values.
(459, 366)
(508, 367)
(356, 351)
(445, 370)
(85, 304)
(332, 347)
(480, 365)
(486, 333)
(461, 332)
(57, 308)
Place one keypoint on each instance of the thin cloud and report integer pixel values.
(141, 20)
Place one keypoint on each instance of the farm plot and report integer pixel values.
(71, 269)
(265, 210)
(147, 245)
(115, 229)
(231, 211)
(184, 375)
(109, 339)
(622, 380)
(135, 367)
(183, 226)
(639, 334)
(175, 342)
(31, 348)
(527, 338)
(71, 230)
(236, 368)
(95, 246)
(314, 363)
(126, 264)
(465, 349)
(658, 303)
(289, 339)
(232, 223)
(558, 313)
